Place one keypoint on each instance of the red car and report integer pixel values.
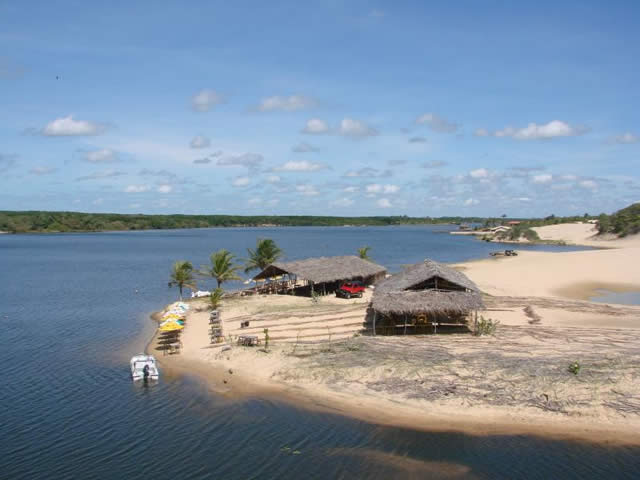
(350, 289)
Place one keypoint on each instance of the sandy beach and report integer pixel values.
(513, 382)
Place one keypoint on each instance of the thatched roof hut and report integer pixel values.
(438, 293)
(325, 269)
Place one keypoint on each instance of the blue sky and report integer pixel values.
(335, 108)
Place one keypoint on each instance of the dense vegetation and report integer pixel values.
(623, 222)
(40, 221)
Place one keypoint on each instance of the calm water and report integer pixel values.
(70, 319)
(623, 298)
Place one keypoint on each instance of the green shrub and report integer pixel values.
(574, 367)
(485, 326)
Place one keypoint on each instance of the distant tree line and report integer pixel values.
(51, 222)
(623, 222)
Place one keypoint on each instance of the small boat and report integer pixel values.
(143, 367)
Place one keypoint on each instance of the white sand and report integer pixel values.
(392, 380)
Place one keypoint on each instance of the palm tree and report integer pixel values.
(222, 267)
(215, 298)
(182, 276)
(363, 252)
(265, 254)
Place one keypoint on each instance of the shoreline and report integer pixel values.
(379, 379)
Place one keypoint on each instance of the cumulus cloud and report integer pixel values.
(481, 132)
(351, 189)
(304, 147)
(202, 161)
(437, 123)
(273, 179)
(137, 188)
(301, 166)
(434, 164)
(588, 184)
(42, 170)
(68, 126)
(384, 203)
(533, 131)
(164, 189)
(471, 201)
(523, 199)
(542, 178)
(307, 190)
(199, 141)
(355, 128)
(627, 137)
(368, 172)
(205, 100)
(377, 188)
(101, 175)
(104, 155)
(285, 104)
(248, 160)
(479, 173)
(241, 181)
(315, 126)
(417, 140)
(342, 202)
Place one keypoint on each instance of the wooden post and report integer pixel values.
(436, 279)
(374, 322)
(405, 324)
(311, 283)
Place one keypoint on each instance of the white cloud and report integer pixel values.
(470, 201)
(254, 201)
(377, 188)
(205, 100)
(481, 132)
(199, 141)
(342, 202)
(533, 131)
(315, 126)
(589, 184)
(137, 188)
(351, 189)
(355, 128)
(304, 147)
(523, 199)
(301, 166)
(384, 203)
(569, 178)
(248, 160)
(542, 178)
(165, 189)
(67, 126)
(479, 173)
(369, 172)
(434, 164)
(273, 179)
(307, 190)
(104, 155)
(241, 181)
(101, 175)
(437, 123)
(627, 137)
(42, 170)
(285, 104)
(202, 161)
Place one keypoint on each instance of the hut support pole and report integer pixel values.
(405, 324)
(374, 322)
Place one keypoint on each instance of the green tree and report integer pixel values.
(265, 253)
(182, 276)
(215, 298)
(363, 252)
(222, 267)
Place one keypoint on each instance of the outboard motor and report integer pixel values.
(145, 373)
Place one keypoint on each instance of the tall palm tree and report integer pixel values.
(222, 267)
(182, 276)
(363, 252)
(265, 254)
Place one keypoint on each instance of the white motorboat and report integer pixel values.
(144, 367)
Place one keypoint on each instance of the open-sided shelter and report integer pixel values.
(422, 298)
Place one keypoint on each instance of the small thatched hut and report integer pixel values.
(322, 275)
(422, 298)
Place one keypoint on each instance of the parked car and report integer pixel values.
(350, 289)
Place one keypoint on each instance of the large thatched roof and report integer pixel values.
(393, 295)
(324, 269)
(423, 271)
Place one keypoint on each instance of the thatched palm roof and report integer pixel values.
(393, 294)
(423, 271)
(324, 269)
